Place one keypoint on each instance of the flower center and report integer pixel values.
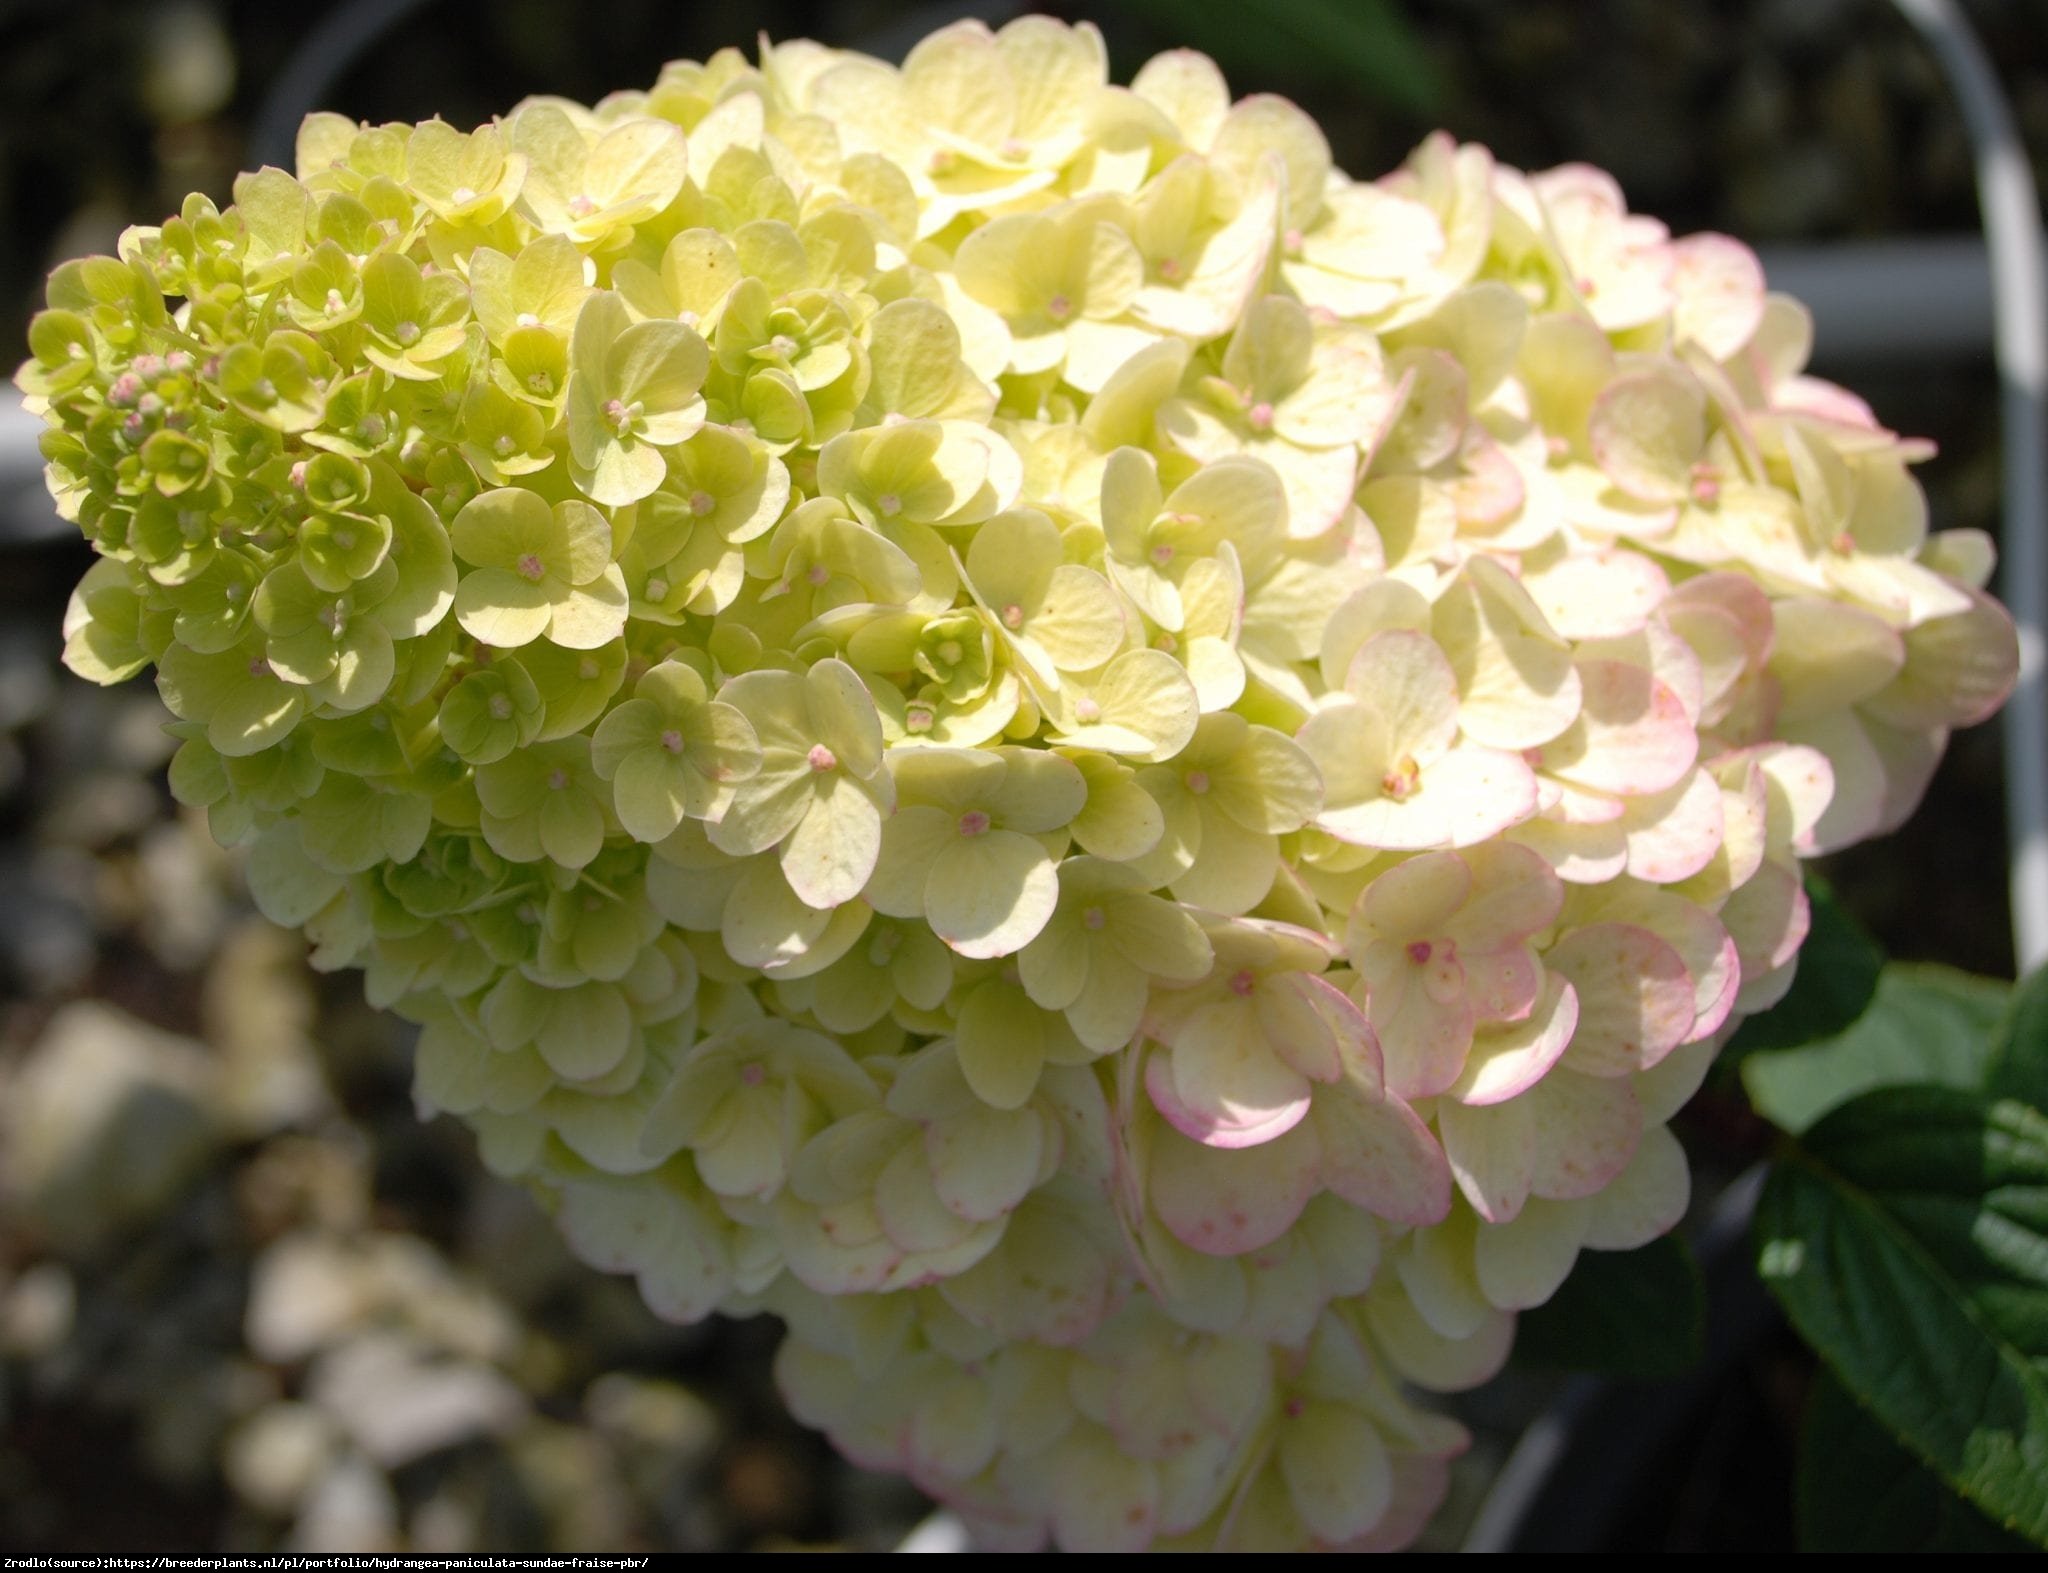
(889, 504)
(1260, 416)
(1196, 781)
(1419, 952)
(558, 779)
(1094, 918)
(1402, 781)
(501, 707)
(822, 758)
(974, 823)
(918, 718)
(1013, 617)
(702, 503)
(672, 740)
(1242, 982)
(753, 1074)
(657, 589)
(532, 569)
(1059, 308)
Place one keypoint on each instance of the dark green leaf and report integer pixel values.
(1639, 1313)
(1366, 44)
(1859, 1490)
(1838, 971)
(2019, 1048)
(1927, 1025)
(1907, 1239)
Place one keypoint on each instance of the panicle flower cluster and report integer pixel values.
(1122, 775)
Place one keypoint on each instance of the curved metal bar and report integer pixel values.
(2019, 292)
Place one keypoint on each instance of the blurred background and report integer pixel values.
(247, 1301)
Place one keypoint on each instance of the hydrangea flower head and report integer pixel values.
(1122, 775)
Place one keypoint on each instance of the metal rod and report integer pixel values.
(2019, 291)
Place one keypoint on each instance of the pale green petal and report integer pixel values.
(1407, 680)
(1349, 746)
(1271, 786)
(633, 726)
(288, 886)
(497, 528)
(619, 472)
(586, 541)
(912, 838)
(254, 715)
(765, 810)
(499, 608)
(1160, 937)
(1054, 967)
(1647, 430)
(1039, 791)
(651, 791)
(1109, 1010)
(1078, 623)
(1269, 354)
(1339, 1475)
(661, 364)
(1001, 1049)
(844, 713)
(1143, 705)
(990, 894)
(1233, 866)
(830, 855)
(571, 828)
(592, 615)
(766, 923)
(1120, 820)
(584, 1031)
(640, 163)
